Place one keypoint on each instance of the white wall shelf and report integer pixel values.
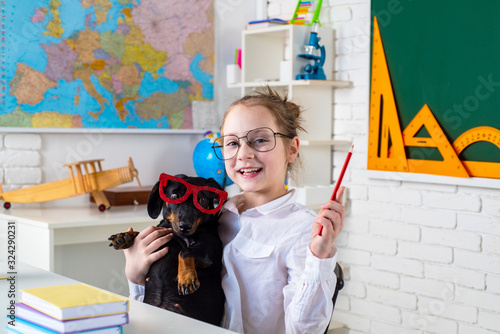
(332, 142)
(259, 84)
(263, 51)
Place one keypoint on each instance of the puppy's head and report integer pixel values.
(185, 217)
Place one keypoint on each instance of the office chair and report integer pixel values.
(340, 284)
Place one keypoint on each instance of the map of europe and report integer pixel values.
(134, 64)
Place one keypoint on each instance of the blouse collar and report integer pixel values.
(238, 200)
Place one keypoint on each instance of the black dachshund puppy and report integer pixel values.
(187, 280)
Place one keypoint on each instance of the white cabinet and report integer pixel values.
(70, 240)
(263, 50)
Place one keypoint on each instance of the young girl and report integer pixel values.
(278, 272)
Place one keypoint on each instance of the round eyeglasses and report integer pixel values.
(259, 139)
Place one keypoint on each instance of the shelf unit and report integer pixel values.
(262, 52)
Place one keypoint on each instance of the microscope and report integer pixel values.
(313, 71)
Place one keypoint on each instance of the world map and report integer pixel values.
(135, 64)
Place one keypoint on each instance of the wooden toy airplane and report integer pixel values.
(91, 180)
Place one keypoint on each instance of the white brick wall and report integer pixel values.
(420, 257)
(20, 160)
(23, 141)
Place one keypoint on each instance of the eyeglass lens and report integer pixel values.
(177, 189)
(261, 140)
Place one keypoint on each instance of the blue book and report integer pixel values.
(26, 327)
(265, 23)
(273, 21)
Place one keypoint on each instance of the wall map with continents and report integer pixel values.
(135, 64)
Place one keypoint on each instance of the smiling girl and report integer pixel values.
(278, 274)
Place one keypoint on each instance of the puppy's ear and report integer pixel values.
(214, 184)
(155, 202)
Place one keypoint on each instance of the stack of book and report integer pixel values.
(74, 308)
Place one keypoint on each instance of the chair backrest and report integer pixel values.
(340, 284)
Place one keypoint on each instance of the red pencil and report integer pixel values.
(339, 181)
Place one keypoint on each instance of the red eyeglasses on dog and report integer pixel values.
(184, 189)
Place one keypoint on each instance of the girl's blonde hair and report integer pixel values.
(288, 116)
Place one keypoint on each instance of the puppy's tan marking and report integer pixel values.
(186, 276)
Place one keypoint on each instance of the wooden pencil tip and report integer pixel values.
(352, 148)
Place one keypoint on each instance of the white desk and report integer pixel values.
(72, 241)
(143, 318)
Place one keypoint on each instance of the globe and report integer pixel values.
(206, 164)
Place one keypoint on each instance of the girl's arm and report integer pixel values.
(331, 217)
(308, 296)
(140, 256)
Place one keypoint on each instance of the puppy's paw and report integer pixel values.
(187, 283)
(123, 240)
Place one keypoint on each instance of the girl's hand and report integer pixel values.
(140, 256)
(331, 217)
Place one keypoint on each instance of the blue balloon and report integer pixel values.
(206, 164)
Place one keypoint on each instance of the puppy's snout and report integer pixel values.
(184, 227)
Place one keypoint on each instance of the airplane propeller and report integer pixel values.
(133, 170)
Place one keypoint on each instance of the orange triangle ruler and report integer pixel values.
(384, 129)
(450, 165)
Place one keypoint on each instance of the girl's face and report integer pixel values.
(258, 174)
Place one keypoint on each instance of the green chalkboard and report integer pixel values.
(446, 54)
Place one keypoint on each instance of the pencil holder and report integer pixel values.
(233, 74)
(285, 70)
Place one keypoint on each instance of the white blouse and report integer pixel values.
(272, 282)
